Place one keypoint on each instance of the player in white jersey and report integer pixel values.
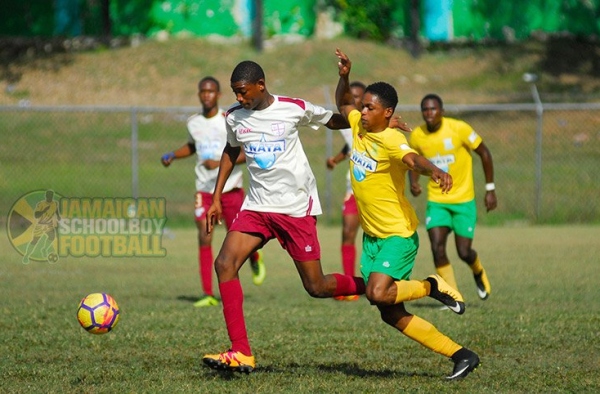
(207, 137)
(282, 201)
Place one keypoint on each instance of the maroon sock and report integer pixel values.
(349, 285)
(348, 259)
(205, 262)
(233, 311)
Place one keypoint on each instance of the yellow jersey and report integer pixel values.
(49, 216)
(449, 148)
(378, 177)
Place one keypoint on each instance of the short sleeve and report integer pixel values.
(315, 116)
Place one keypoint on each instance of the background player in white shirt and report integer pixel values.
(282, 201)
(207, 138)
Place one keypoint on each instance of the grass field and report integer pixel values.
(538, 332)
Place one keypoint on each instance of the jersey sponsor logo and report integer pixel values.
(264, 152)
(209, 150)
(442, 161)
(362, 165)
(244, 130)
(448, 145)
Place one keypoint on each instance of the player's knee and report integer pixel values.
(466, 254)
(377, 294)
(224, 267)
(316, 291)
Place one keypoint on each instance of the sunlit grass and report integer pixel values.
(538, 332)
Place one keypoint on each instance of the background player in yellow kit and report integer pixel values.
(448, 143)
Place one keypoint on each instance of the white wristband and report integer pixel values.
(490, 187)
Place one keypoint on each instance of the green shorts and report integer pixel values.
(460, 218)
(393, 256)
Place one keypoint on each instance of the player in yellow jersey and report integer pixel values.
(380, 160)
(448, 143)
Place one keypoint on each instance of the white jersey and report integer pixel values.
(347, 135)
(281, 180)
(209, 135)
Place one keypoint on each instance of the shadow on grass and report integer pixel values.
(351, 369)
(187, 298)
(439, 306)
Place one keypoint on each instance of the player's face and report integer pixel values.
(208, 94)
(249, 95)
(357, 93)
(432, 114)
(374, 117)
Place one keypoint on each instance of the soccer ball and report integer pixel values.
(98, 313)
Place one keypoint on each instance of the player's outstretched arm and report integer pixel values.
(488, 171)
(185, 151)
(343, 96)
(341, 156)
(423, 166)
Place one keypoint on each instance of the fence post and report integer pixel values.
(539, 110)
(328, 152)
(134, 153)
(531, 78)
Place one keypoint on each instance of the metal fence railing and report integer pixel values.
(546, 162)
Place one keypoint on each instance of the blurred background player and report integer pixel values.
(350, 221)
(448, 143)
(207, 138)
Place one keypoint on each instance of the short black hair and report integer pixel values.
(210, 79)
(386, 93)
(358, 84)
(247, 71)
(433, 96)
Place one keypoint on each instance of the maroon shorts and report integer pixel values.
(350, 207)
(298, 236)
(231, 202)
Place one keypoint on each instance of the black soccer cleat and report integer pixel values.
(444, 293)
(465, 362)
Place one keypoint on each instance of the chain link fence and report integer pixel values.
(546, 162)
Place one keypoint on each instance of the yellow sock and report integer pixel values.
(408, 290)
(447, 273)
(476, 267)
(426, 334)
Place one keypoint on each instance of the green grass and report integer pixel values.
(538, 332)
